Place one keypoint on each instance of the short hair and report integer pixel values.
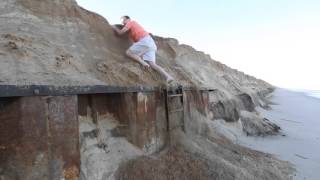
(126, 17)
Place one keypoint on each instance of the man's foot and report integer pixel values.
(170, 80)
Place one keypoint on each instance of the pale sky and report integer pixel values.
(274, 40)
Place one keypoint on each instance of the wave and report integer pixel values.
(310, 93)
(315, 94)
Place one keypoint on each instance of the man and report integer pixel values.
(143, 50)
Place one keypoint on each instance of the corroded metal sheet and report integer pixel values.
(146, 121)
(141, 116)
(195, 109)
(45, 90)
(39, 138)
(63, 136)
(198, 99)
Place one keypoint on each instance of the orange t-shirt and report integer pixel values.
(136, 31)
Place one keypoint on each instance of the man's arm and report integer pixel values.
(120, 31)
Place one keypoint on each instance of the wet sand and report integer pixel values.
(299, 117)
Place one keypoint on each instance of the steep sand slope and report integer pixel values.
(59, 43)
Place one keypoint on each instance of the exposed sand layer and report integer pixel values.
(207, 154)
(202, 158)
(55, 42)
(101, 153)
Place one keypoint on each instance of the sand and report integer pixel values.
(54, 42)
(299, 117)
(199, 152)
(101, 153)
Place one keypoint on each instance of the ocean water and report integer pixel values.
(311, 93)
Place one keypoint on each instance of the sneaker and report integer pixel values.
(170, 80)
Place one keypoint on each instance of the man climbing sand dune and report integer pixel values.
(143, 50)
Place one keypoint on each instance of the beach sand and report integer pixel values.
(299, 117)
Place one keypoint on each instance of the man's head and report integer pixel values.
(125, 19)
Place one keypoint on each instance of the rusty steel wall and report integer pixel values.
(150, 125)
(197, 99)
(39, 138)
(196, 105)
(141, 115)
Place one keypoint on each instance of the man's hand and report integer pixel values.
(114, 27)
(118, 31)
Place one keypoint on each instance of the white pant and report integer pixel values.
(145, 48)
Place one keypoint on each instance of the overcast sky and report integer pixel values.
(274, 40)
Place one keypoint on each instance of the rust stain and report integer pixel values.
(199, 100)
(71, 173)
(34, 137)
(143, 99)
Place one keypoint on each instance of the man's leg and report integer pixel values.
(161, 71)
(137, 58)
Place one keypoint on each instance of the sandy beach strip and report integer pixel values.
(299, 117)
